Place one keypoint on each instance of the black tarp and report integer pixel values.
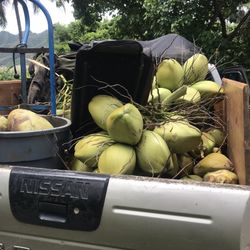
(167, 46)
(170, 46)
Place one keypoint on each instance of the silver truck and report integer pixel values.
(44, 208)
(56, 209)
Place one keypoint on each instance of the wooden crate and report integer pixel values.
(9, 93)
(236, 113)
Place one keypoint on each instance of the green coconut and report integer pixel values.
(117, 159)
(125, 124)
(77, 165)
(192, 177)
(175, 95)
(89, 148)
(154, 85)
(180, 136)
(186, 164)
(212, 162)
(101, 106)
(158, 95)
(173, 168)
(96, 171)
(192, 96)
(169, 74)
(3, 123)
(64, 113)
(153, 155)
(177, 118)
(221, 176)
(218, 135)
(208, 88)
(195, 68)
(26, 120)
(208, 143)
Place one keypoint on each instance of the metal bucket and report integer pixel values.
(36, 148)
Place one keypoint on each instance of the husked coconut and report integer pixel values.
(221, 176)
(212, 162)
(26, 120)
(3, 123)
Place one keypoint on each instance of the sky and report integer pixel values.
(38, 22)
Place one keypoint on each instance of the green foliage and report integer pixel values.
(61, 33)
(61, 48)
(102, 32)
(77, 32)
(215, 26)
(6, 74)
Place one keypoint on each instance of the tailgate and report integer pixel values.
(55, 209)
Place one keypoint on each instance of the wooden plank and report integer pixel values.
(237, 120)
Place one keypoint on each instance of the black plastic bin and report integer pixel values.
(117, 68)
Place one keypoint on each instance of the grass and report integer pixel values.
(6, 73)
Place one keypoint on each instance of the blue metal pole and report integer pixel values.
(23, 43)
(27, 23)
(19, 25)
(51, 56)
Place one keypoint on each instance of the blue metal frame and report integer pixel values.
(27, 22)
(23, 43)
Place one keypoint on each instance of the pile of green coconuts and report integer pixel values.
(175, 135)
(163, 138)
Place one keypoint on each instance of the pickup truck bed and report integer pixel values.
(119, 212)
(44, 209)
